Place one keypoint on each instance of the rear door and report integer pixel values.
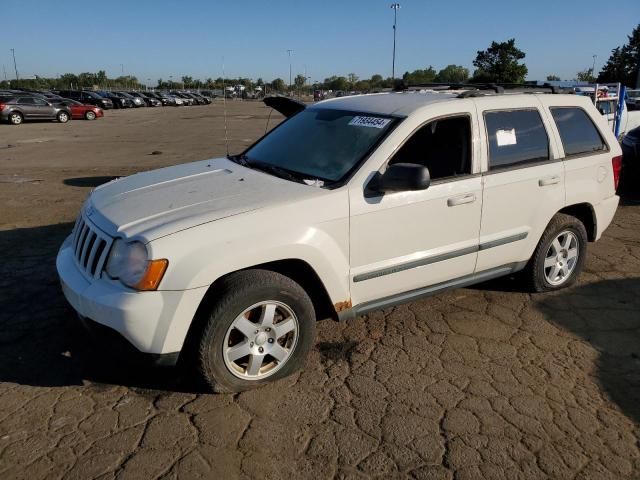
(523, 179)
(587, 155)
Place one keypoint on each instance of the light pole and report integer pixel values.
(395, 7)
(593, 67)
(290, 80)
(15, 66)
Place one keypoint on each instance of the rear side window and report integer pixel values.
(516, 137)
(578, 133)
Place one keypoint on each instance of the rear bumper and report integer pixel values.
(605, 211)
(152, 322)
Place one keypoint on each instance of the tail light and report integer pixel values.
(616, 163)
(2, 105)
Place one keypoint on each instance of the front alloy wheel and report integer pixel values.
(258, 328)
(260, 340)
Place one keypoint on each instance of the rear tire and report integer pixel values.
(560, 255)
(90, 115)
(16, 118)
(257, 314)
(63, 117)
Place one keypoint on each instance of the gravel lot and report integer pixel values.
(485, 382)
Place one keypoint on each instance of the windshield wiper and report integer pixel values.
(275, 170)
(239, 159)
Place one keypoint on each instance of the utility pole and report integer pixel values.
(4, 71)
(395, 7)
(15, 66)
(593, 67)
(290, 81)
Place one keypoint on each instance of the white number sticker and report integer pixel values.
(372, 122)
(506, 137)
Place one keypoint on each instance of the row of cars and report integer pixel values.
(17, 106)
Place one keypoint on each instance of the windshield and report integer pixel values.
(633, 94)
(321, 143)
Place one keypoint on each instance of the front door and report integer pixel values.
(402, 241)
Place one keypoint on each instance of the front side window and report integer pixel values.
(516, 137)
(320, 143)
(443, 146)
(578, 133)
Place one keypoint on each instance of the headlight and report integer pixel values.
(129, 262)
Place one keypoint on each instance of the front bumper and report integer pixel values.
(153, 322)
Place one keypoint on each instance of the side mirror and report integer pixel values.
(402, 177)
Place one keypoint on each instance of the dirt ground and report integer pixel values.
(485, 382)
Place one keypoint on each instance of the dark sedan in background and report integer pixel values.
(87, 98)
(631, 155)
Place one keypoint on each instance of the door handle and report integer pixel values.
(543, 182)
(461, 200)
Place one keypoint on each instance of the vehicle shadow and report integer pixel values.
(606, 315)
(88, 181)
(42, 343)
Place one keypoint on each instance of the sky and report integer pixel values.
(154, 39)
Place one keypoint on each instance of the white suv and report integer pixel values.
(349, 205)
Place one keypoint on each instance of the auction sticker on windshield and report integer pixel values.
(373, 122)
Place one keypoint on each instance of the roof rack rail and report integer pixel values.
(479, 89)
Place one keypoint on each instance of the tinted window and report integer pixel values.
(39, 101)
(26, 101)
(516, 137)
(443, 146)
(577, 131)
(321, 143)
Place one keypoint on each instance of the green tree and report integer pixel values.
(299, 81)
(500, 63)
(622, 65)
(551, 78)
(352, 78)
(336, 83)
(278, 85)
(376, 81)
(453, 74)
(585, 75)
(428, 75)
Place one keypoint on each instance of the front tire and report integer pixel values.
(259, 330)
(559, 256)
(63, 117)
(90, 115)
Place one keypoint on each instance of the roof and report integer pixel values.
(396, 103)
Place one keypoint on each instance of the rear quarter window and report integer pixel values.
(516, 137)
(578, 133)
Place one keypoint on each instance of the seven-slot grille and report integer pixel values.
(90, 247)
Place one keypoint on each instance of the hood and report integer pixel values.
(161, 202)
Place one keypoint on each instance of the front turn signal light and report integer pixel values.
(152, 277)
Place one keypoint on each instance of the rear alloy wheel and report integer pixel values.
(15, 118)
(559, 256)
(63, 117)
(90, 115)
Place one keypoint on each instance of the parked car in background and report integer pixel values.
(633, 99)
(52, 97)
(79, 110)
(631, 155)
(185, 99)
(167, 100)
(137, 101)
(203, 100)
(118, 101)
(87, 98)
(148, 100)
(18, 109)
